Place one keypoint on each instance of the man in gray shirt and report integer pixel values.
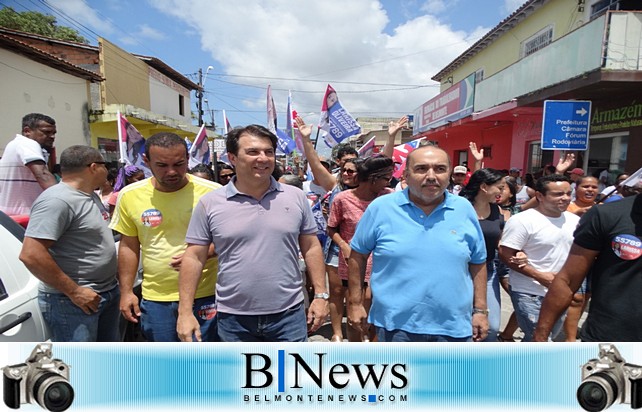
(69, 247)
(256, 225)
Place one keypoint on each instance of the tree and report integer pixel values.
(38, 23)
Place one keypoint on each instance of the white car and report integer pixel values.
(20, 317)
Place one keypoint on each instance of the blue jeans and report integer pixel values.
(493, 301)
(287, 326)
(68, 323)
(158, 319)
(527, 308)
(399, 335)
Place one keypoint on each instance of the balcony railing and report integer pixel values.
(613, 41)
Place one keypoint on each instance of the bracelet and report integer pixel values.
(481, 311)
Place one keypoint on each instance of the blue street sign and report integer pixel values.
(566, 125)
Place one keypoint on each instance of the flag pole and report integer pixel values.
(316, 140)
(120, 140)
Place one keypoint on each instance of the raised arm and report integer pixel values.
(324, 177)
(393, 128)
(478, 155)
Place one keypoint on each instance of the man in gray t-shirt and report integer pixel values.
(69, 247)
(255, 224)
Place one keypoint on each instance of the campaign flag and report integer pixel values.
(292, 129)
(226, 124)
(188, 143)
(200, 151)
(400, 153)
(335, 121)
(131, 145)
(368, 148)
(284, 143)
(271, 111)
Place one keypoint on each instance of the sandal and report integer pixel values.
(500, 338)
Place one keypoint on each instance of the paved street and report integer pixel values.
(325, 332)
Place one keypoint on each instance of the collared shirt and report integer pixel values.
(420, 279)
(257, 244)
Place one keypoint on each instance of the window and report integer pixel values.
(181, 105)
(537, 42)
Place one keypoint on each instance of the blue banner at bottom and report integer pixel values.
(228, 377)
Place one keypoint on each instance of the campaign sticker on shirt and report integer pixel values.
(152, 218)
(207, 311)
(627, 247)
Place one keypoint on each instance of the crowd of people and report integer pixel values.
(258, 252)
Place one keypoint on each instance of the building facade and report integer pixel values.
(494, 93)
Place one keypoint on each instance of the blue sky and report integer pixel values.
(378, 55)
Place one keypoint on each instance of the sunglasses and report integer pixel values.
(349, 172)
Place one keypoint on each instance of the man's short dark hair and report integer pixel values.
(232, 139)
(201, 168)
(77, 157)
(344, 150)
(542, 183)
(32, 120)
(165, 140)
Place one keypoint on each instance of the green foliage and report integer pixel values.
(38, 23)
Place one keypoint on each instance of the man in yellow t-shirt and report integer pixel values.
(152, 215)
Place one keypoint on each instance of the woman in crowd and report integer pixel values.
(484, 190)
(347, 179)
(586, 192)
(225, 173)
(508, 204)
(126, 175)
(374, 176)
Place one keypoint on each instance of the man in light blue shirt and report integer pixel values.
(429, 260)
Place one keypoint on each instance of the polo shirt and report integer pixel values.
(257, 242)
(420, 279)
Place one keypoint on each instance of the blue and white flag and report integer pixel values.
(284, 143)
(335, 121)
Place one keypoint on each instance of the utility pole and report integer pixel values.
(199, 96)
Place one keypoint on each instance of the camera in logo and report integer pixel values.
(41, 379)
(608, 380)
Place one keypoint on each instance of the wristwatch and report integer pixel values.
(324, 296)
(482, 311)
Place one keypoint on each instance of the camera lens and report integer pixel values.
(597, 392)
(53, 392)
(58, 396)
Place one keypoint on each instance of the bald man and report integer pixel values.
(429, 267)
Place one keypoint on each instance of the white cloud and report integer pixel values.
(80, 11)
(147, 32)
(332, 41)
(511, 5)
(434, 6)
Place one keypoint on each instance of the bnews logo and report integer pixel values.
(291, 371)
